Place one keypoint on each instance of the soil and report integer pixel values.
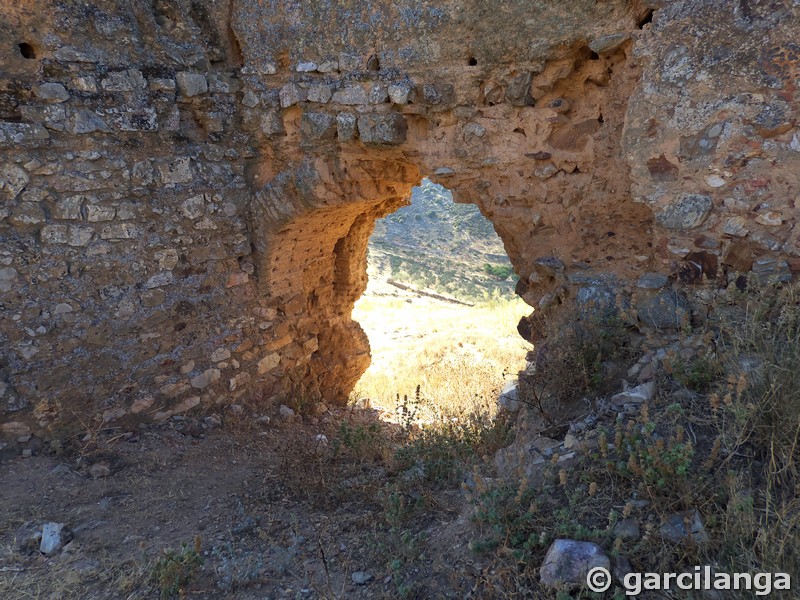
(273, 511)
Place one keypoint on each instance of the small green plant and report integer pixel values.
(361, 442)
(498, 271)
(175, 568)
(443, 450)
(652, 463)
(697, 375)
(408, 410)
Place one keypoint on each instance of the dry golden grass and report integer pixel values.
(459, 356)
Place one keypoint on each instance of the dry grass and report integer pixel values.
(459, 356)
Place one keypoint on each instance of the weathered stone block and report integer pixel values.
(176, 171)
(318, 126)
(378, 94)
(683, 526)
(191, 84)
(607, 43)
(220, 354)
(194, 207)
(124, 81)
(27, 213)
(328, 66)
(206, 378)
(438, 94)
(388, 129)
(8, 277)
(399, 93)
(54, 234)
(306, 67)
(51, 92)
(320, 93)
(119, 231)
(272, 124)
(354, 95)
(12, 180)
(96, 213)
(162, 85)
(268, 363)
(68, 208)
(350, 62)
(346, 124)
(86, 121)
(134, 119)
(79, 236)
(666, 310)
(51, 116)
(153, 298)
(159, 280)
(291, 94)
(596, 301)
(70, 54)
(21, 133)
(222, 83)
(569, 562)
(85, 83)
(167, 259)
(250, 99)
(518, 90)
(652, 281)
(686, 212)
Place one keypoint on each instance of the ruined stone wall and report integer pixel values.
(188, 187)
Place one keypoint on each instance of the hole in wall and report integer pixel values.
(472, 61)
(646, 18)
(440, 309)
(373, 63)
(27, 50)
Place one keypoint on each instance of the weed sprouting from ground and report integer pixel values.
(175, 569)
(361, 442)
(440, 452)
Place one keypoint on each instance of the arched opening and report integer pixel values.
(439, 310)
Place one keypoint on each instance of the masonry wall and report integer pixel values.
(187, 188)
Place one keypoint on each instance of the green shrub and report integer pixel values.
(361, 442)
(175, 568)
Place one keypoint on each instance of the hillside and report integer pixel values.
(437, 244)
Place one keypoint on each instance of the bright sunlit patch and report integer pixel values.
(460, 355)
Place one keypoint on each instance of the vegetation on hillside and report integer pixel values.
(447, 247)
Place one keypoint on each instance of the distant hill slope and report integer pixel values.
(437, 244)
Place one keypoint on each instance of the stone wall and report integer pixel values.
(188, 187)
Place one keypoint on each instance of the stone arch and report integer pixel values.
(311, 229)
(546, 171)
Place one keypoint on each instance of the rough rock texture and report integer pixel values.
(187, 188)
